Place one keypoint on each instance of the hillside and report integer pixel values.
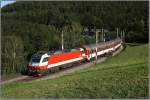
(32, 26)
(121, 76)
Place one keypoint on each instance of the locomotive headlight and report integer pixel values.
(35, 64)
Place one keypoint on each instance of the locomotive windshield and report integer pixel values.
(45, 59)
(35, 60)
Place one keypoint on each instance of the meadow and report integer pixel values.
(122, 76)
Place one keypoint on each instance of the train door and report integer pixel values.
(88, 53)
(92, 53)
(83, 52)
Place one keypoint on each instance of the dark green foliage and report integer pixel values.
(39, 24)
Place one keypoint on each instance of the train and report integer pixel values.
(44, 62)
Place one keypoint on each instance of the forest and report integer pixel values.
(31, 26)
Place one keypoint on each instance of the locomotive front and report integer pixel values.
(38, 63)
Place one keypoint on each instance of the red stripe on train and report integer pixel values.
(64, 57)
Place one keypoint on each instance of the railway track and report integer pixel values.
(65, 71)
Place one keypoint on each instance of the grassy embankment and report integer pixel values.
(121, 76)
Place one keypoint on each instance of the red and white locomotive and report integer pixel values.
(55, 60)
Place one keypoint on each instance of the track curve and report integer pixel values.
(62, 72)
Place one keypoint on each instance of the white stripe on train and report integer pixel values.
(64, 62)
(81, 58)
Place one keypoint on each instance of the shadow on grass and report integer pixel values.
(134, 44)
(116, 67)
(124, 47)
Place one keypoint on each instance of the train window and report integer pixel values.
(45, 59)
(82, 50)
(66, 50)
(58, 52)
(73, 50)
(35, 60)
(92, 51)
(50, 52)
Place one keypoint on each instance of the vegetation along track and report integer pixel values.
(75, 67)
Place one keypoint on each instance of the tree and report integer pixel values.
(12, 54)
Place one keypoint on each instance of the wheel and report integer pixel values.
(60, 68)
(54, 69)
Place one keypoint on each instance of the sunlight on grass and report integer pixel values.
(121, 76)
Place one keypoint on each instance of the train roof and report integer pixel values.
(101, 44)
(39, 54)
(62, 51)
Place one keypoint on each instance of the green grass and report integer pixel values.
(121, 76)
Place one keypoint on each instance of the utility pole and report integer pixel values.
(117, 32)
(97, 31)
(96, 45)
(102, 33)
(96, 37)
(104, 36)
(121, 34)
(62, 36)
